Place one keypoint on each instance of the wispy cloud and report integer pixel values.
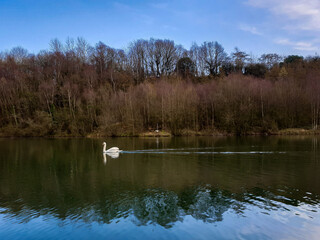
(298, 45)
(297, 14)
(297, 20)
(251, 29)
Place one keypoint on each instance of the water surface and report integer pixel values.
(167, 188)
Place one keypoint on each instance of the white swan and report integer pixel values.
(110, 150)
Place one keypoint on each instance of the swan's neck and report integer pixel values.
(104, 147)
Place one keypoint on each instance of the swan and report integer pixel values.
(110, 150)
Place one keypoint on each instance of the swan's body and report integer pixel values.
(110, 150)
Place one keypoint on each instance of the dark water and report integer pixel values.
(172, 188)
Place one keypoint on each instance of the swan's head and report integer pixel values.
(104, 143)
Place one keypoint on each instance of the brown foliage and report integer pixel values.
(81, 90)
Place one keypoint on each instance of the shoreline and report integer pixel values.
(184, 133)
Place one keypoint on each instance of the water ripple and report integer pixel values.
(153, 151)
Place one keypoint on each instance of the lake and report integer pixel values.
(161, 188)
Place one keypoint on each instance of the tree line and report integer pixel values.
(76, 89)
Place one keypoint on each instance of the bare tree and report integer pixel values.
(82, 49)
(239, 59)
(137, 55)
(56, 45)
(270, 59)
(19, 54)
(212, 55)
(194, 54)
(100, 59)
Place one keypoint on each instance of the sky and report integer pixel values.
(255, 26)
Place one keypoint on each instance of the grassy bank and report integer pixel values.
(38, 131)
(297, 131)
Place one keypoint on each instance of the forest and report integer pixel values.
(74, 89)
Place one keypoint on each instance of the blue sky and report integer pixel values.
(255, 26)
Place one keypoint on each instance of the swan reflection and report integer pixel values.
(111, 154)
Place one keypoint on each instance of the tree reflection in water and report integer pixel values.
(157, 206)
(209, 206)
(69, 182)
